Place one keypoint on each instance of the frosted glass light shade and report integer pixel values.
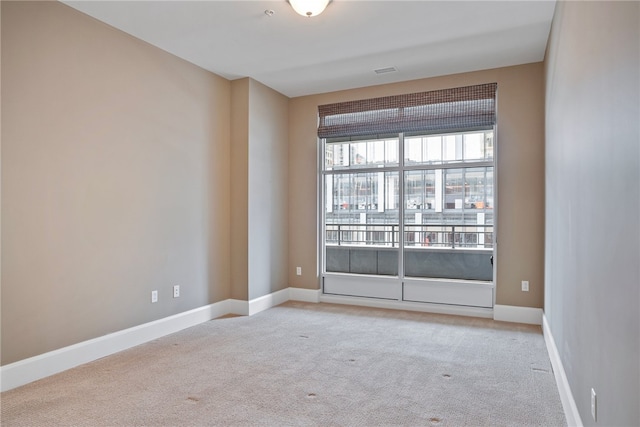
(309, 8)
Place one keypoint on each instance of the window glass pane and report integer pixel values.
(488, 145)
(449, 148)
(474, 146)
(366, 193)
(336, 155)
(413, 150)
(453, 189)
(362, 209)
(475, 193)
(339, 190)
(452, 147)
(359, 154)
(414, 189)
(489, 190)
(391, 151)
(434, 149)
(420, 192)
(391, 194)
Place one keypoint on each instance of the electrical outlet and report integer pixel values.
(525, 286)
(594, 402)
(154, 296)
(176, 291)
(299, 271)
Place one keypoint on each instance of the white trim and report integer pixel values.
(53, 362)
(305, 295)
(363, 285)
(410, 306)
(515, 314)
(43, 365)
(267, 301)
(449, 291)
(566, 397)
(238, 307)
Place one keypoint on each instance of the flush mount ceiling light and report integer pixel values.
(309, 8)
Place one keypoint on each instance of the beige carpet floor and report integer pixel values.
(303, 364)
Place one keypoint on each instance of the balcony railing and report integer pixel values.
(415, 235)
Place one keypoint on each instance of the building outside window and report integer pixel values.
(448, 191)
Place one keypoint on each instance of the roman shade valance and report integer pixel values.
(459, 108)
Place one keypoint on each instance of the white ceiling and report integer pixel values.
(339, 49)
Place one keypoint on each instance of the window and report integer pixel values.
(447, 201)
(448, 194)
(416, 197)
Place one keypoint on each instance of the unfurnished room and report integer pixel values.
(320, 213)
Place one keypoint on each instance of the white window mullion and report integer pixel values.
(401, 207)
(381, 201)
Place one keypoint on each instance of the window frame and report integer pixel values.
(400, 169)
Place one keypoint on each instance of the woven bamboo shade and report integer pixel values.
(439, 110)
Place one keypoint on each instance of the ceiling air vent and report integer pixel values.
(386, 70)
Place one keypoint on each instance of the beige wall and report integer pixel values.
(258, 189)
(240, 189)
(520, 158)
(0, 182)
(592, 269)
(268, 190)
(115, 180)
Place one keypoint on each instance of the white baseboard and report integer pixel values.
(267, 301)
(238, 307)
(305, 295)
(34, 368)
(53, 362)
(566, 397)
(515, 314)
(410, 306)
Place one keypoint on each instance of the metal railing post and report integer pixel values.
(453, 237)
(393, 236)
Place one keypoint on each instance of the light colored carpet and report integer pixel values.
(304, 364)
